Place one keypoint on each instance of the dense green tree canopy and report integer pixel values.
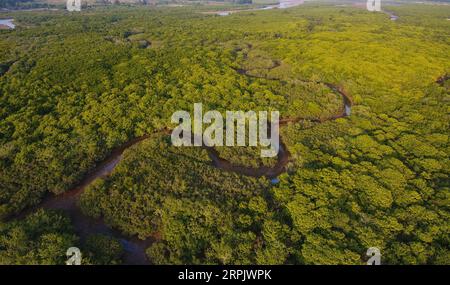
(76, 86)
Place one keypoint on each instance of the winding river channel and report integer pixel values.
(283, 4)
(134, 248)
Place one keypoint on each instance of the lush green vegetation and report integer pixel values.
(75, 86)
(45, 236)
(22, 4)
